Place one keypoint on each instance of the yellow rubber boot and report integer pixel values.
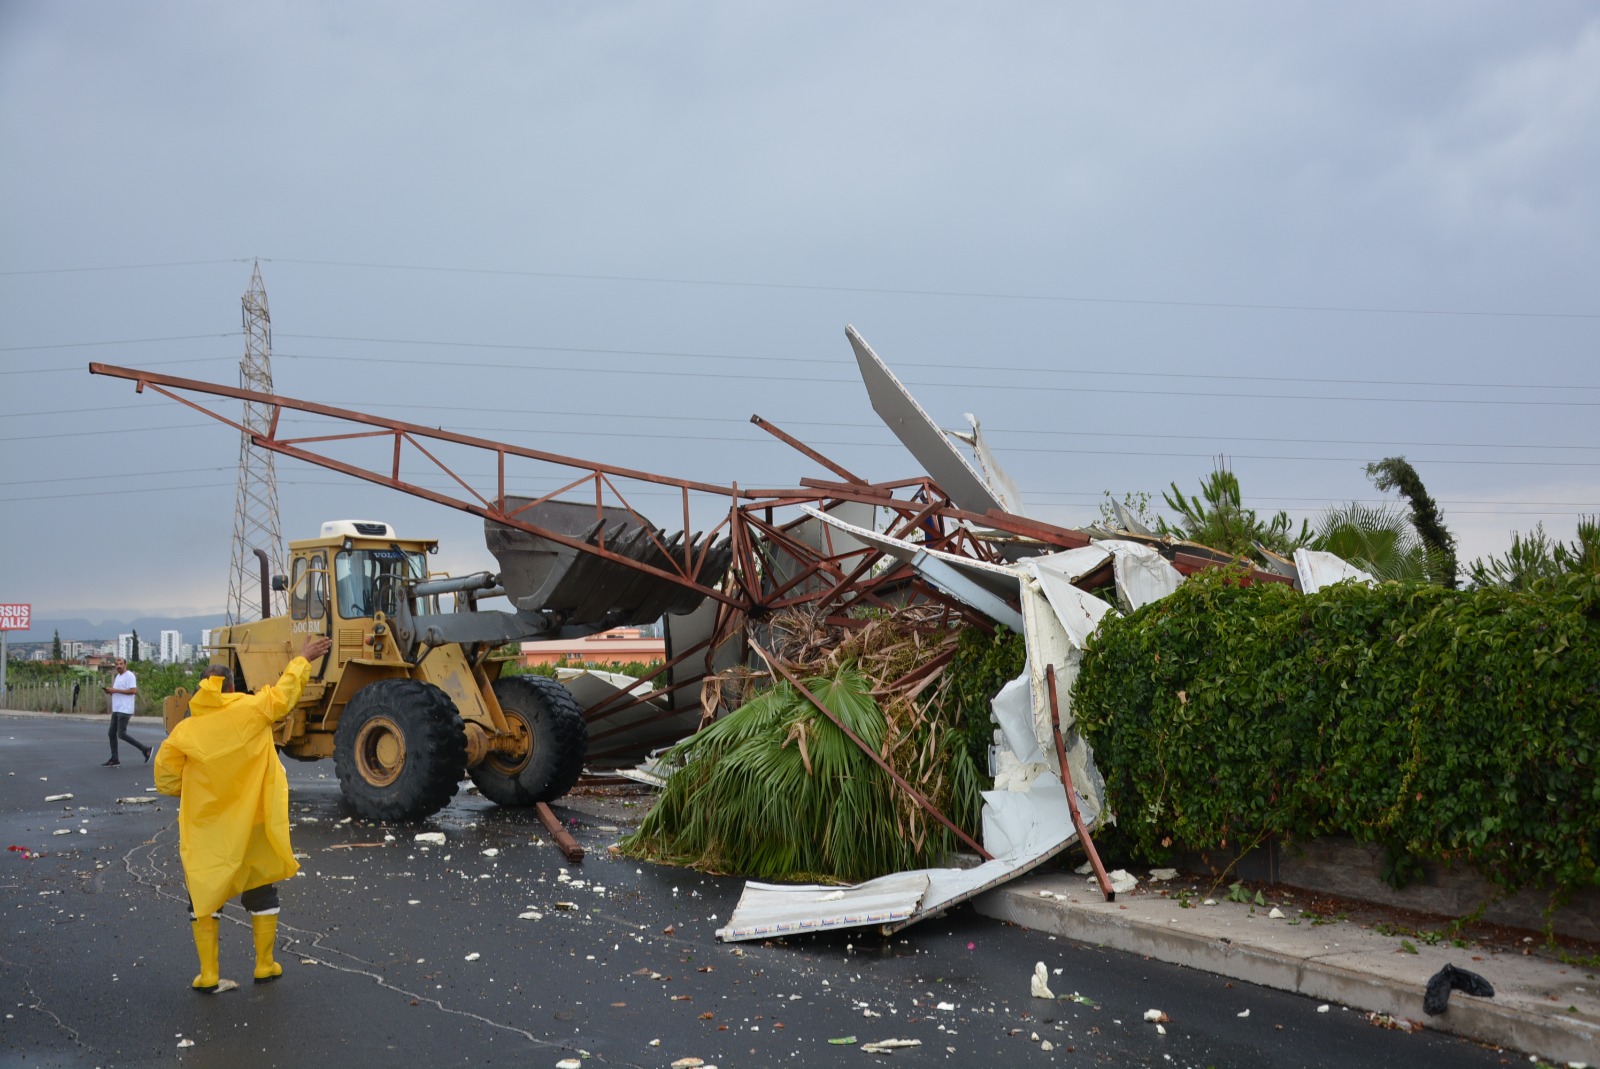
(265, 927)
(205, 941)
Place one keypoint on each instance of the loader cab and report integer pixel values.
(371, 580)
(355, 568)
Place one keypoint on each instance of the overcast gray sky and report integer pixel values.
(1130, 238)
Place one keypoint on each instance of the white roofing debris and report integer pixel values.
(1000, 484)
(977, 583)
(1317, 570)
(1026, 818)
(1143, 574)
(1128, 521)
(775, 909)
(921, 436)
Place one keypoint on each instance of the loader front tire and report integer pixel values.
(558, 740)
(399, 750)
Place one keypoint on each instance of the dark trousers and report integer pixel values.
(263, 899)
(119, 730)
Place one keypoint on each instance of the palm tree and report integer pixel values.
(1219, 519)
(1377, 539)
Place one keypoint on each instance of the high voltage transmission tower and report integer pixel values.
(256, 529)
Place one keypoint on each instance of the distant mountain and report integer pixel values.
(77, 629)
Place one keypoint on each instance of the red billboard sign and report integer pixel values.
(14, 617)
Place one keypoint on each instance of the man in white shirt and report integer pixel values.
(123, 690)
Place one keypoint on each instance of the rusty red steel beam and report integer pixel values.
(144, 378)
(1189, 563)
(563, 838)
(1066, 782)
(916, 795)
(402, 431)
(789, 439)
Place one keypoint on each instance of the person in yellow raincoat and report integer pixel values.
(233, 809)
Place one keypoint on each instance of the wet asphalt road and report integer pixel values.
(399, 954)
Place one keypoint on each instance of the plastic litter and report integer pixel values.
(889, 1046)
(1040, 985)
(1437, 998)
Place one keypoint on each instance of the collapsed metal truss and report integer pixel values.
(779, 557)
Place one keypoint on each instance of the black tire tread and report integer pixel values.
(561, 741)
(436, 750)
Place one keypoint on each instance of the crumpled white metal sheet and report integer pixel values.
(917, 431)
(1027, 827)
(1143, 575)
(1318, 569)
(769, 909)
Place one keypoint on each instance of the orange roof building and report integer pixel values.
(621, 645)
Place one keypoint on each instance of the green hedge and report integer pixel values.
(1443, 725)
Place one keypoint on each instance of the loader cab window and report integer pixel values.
(372, 580)
(308, 587)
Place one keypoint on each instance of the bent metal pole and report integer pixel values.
(1066, 782)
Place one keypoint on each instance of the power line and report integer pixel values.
(552, 481)
(118, 341)
(611, 434)
(993, 434)
(124, 475)
(819, 288)
(148, 365)
(967, 294)
(824, 361)
(1042, 497)
(987, 368)
(123, 267)
(1009, 387)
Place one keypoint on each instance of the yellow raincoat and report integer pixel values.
(233, 813)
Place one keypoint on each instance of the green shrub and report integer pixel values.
(1442, 725)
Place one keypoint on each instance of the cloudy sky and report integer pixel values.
(1130, 238)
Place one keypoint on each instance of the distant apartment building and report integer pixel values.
(170, 648)
(125, 645)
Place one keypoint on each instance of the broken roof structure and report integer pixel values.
(954, 538)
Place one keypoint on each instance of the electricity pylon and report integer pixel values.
(255, 511)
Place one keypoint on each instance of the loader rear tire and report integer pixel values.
(558, 740)
(400, 750)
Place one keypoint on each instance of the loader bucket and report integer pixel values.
(586, 588)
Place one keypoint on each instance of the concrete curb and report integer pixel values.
(1342, 964)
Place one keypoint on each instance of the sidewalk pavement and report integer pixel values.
(1540, 1007)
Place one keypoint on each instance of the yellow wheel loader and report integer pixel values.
(410, 699)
